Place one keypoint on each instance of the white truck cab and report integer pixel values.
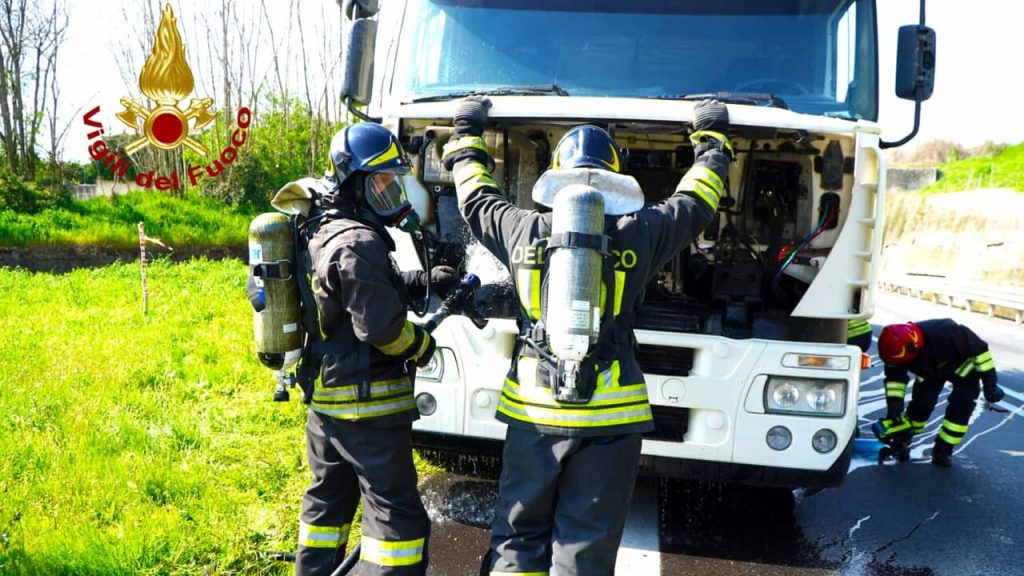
(742, 336)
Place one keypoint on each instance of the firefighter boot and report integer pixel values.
(942, 453)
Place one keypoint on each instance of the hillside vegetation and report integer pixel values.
(1002, 170)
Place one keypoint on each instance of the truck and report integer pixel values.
(742, 335)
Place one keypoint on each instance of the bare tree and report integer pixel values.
(30, 35)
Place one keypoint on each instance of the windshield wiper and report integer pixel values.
(753, 98)
(541, 90)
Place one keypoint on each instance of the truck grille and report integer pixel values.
(669, 423)
(664, 360)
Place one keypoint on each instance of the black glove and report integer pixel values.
(993, 393)
(442, 280)
(710, 121)
(710, 115)
(471, 116)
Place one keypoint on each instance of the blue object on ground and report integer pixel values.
(866, 447)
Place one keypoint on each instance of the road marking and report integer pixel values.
(639, 552)
(1014, 453)
(974, 437)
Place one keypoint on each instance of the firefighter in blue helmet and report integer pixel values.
(572, 447)
(358, 374)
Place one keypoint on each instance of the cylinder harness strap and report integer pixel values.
(314, 347)
(532, 339)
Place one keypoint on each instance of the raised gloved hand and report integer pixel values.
(471, 116)
(442, 280)
(710, 122)
(993, 393)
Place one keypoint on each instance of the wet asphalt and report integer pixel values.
(911, 519)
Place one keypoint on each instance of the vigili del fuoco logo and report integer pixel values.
(166, 80)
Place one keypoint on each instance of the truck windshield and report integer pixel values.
(818, 55)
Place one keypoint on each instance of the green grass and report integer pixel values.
(1005, 170)
(141, 445)
(114, 222)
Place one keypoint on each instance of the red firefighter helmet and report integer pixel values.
(899, 343)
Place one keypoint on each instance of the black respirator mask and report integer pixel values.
(385, 196)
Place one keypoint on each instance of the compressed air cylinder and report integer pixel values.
(276, 327)
(572, 313)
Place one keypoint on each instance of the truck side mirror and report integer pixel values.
(357, 63)
(915, 71)
(915, 62)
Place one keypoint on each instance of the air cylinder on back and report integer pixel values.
(272, 260)
(572, 313)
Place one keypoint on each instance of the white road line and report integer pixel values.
(974, 437)
(639, 552)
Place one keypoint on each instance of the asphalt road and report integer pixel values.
(913, 519)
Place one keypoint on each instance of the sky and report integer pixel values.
(970, 105)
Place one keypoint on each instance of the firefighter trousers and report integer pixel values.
(958, 411)
(562, 503)
(349, 458)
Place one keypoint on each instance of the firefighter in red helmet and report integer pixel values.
(936, 351)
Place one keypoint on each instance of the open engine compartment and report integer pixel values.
(787, 201)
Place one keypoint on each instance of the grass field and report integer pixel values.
(113, 222)
(1005, 170)
(141, 445)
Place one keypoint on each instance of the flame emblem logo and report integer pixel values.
(166, 80)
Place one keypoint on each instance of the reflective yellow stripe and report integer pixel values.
(423, 348)
(397, 553)
(855, 328)
(894, 389)
(392, 397)
(954, 440)
(471, 175)
(464, 142)
(607, 394)
(616, 406)
(954, 427)
(984, 362)
(620, 287)
(312, 536)
(390, 154)
(350, 392)
(966, 368)
(703, 181)
(918, 425)
(400, 344)
(696, 136)
(528, 286)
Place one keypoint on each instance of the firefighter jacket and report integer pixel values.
(367, 340)
(949, 352)
(640, 244)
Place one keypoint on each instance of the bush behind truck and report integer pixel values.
(742, 336)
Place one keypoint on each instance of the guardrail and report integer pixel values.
(995, 301)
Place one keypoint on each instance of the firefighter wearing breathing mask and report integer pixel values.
(575, 400)
(358, 432)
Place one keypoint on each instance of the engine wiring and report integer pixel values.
(827, 218)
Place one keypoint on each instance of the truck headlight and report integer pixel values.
(434, 368)
(805, 396)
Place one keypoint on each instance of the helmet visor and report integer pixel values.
(385, 193)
